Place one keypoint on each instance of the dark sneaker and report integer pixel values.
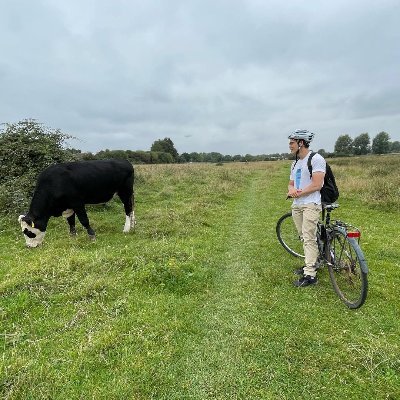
(305, 281)
(299, 271)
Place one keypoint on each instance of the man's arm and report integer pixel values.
(292, 191)
(317, 181)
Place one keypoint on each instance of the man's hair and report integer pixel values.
(305, 144)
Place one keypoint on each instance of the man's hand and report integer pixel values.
(294, 193)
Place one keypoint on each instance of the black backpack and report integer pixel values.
(330, 191)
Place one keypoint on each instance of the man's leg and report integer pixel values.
(297, 215)
(311, 214)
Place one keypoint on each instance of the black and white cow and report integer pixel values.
(65, 188)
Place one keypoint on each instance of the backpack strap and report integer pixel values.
(309, 162)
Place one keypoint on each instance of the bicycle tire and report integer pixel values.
(347, 269)
(288, 236)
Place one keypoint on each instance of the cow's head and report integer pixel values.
(33, 236)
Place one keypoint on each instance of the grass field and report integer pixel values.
(198, 301)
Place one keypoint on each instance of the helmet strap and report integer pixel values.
(299, 148)
(297, 156)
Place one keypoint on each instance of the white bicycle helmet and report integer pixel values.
(302, 134)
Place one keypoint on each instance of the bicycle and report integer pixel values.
(339, 249)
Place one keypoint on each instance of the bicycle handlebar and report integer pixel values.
(329, 206)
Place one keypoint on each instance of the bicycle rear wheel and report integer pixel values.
(288, 236)
(347, 269)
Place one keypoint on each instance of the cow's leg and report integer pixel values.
(84, 220)
(71, 223)
(127, 198)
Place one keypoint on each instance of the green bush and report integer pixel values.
(26, 148)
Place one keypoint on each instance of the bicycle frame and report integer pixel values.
(324, 234)
(325, 231)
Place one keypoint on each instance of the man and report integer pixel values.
(305, 191)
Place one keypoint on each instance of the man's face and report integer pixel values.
(293, 146)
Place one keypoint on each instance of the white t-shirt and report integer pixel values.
(300, 175)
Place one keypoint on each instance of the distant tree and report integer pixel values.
(227, 158)
(139, 156)
(143, 157)
(184, 158)
(103, 154)
(271, 157)
(106, 154)
(361, 144)
(395, 147)
(344, 145)
(329, 155)
(248, 157)
(381, 143)
(195, 157)
(88, 156)
(74, 153)
(165, 146)
(164, 157)
(214, 157)
(322, 152)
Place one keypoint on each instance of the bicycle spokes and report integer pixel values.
(348, 279)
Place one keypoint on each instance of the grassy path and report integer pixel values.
(218, 364)
(238, 333)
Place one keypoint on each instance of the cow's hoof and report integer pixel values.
(73, 233)
(92, 238)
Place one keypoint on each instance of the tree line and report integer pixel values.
(361, 145)
(163, 151)
(28, 147)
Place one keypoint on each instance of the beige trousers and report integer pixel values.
(305, 218)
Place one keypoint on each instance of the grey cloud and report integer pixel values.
(227, 76)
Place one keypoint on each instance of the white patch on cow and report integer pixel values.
(68, 212)
(129, 222)
(39, 235)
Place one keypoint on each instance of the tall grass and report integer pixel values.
(373, 180)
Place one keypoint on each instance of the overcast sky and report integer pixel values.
(231, 76)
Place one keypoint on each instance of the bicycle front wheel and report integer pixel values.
(288, 236)
(347, 269)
